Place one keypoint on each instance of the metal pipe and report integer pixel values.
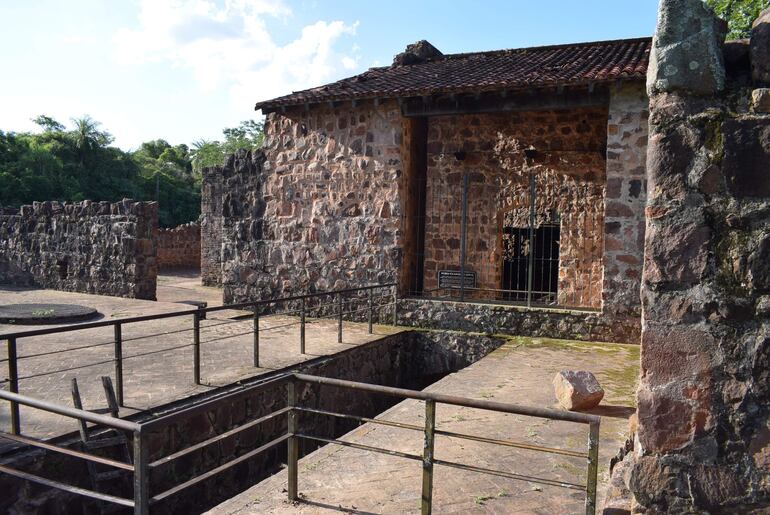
(196, 348)
(119, 363)
(395, 305)
(255, 350)
(427, 458)
(13, 385)
(117, 423)
(371, 310)
(463, 231)
(569, 416)
(302, 328)
(293, 445)
(141, 476)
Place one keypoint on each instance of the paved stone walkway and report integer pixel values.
(337, 479)
(157, 368)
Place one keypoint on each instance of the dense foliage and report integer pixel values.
(79, 163)
(740, 14)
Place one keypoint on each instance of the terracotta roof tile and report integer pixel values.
(579, 63)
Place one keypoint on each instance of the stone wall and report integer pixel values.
(569, 173)
(624, 202)
(407, 360)
(211, 226)
(703, 439)
(90, 247)
(179, 247)
(318, 208)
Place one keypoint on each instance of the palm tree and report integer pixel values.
(87, 137)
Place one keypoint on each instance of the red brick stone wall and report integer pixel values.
(569, 175)
(179, 247)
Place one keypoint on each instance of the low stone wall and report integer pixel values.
(518, 320)
(409, 359)
(179, 247)
(90, 247)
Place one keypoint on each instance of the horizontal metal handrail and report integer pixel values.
(187, 312)
(69, 452)
(116, 423)
(581, 418)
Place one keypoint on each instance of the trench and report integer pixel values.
(412, 359)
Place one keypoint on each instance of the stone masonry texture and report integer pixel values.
(179, 247)
(703, 438)
(90, 247)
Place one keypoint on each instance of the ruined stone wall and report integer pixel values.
(179, 247)
(703, 440)
(211, 226)
(90, 247)
(569, 173)
(625, 197)
(325, 204)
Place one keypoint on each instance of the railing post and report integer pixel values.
(141, 476)
(339, 318)
(302, 328)
(13, 385)
(119, 363)
(371, 308)
(293, 444)
(196, 348)
(256, 336)
(395, 305)
(593, 467)
(427, 457)
(463, 238)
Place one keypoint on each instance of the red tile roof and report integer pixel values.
(560, 65)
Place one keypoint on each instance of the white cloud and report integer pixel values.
(228, 45)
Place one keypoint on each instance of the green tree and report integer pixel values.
(739, 14)
(248, 135)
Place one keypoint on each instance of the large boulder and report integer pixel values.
(760, 48)
(577, 389)
(686, 51)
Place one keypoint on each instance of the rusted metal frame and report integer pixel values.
(119, 363)
(339, 318)
(568, 416)
(217, 470)
(361, 447)
(426, 498)
(593, 467)
(532, 221)
(510, 475)
(196, 348)
(160, 316)
(170, 418)
(116, 423)
(370, 314)
(218, 438)
(64, 486)
(141, 474)
(13, 384)
(390, 423)
(292, 428)
(255, 350)
(518, 445)
(302, 329)
(463, 232)
(70, 452)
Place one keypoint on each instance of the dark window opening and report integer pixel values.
(62, 265)
(545, 263)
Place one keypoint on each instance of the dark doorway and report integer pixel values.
(545, 263)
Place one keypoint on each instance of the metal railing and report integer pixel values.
(143, 498)
(336, 309)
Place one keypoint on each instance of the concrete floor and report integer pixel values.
(338, 479)
(158, 368)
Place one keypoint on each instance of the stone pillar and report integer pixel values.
(704, 396)
(624, 202)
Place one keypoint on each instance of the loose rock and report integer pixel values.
(577, 389)
(760, 48)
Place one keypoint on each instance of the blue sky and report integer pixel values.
(182, 70)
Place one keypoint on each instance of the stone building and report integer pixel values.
(512, 177)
